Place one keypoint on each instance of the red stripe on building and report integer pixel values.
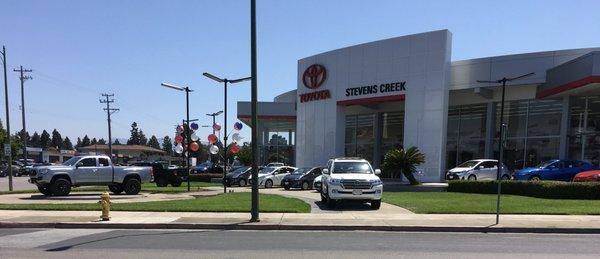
(569, 86)
(372, 100)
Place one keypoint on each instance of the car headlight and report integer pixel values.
(334, 181)
(376, 182)
(42, 172)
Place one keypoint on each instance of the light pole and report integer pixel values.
(187, 91)
(500, 138)
(7, 145)
(225, 81)
(254, 100)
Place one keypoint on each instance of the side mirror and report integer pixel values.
(325, 171)
(77, 165)
(479, 168)
(377, 171)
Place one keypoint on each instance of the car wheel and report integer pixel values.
(329, 202)
(116, 188)
(472, 178)
(60, 187)
(268, 184)
(132, 186)
(505, 177)
(161, 182)
(305, 186)
(287, 188)
(242, 183)
(44, 189)
(375, 204)
(176, 183)
(535, 178)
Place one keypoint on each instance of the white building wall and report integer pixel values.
(422, 60)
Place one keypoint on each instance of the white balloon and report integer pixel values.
(179, 148)
(213, 149)
(194, 137)
(236, 137)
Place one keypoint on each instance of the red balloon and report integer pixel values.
(178, 139)
(212, 139)
(194, 146)
(234, 148)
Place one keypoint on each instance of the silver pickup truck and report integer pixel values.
(89, 171)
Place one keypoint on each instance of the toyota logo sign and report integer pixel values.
(314, 76)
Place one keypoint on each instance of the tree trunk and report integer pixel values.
(411, 178)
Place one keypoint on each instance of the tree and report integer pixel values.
(134, 139)
(14, 143)
(78, 142)
(117, 142)
(245, 154)
(167, 145)
(57, 140)
(143, 139)
(153, 142)
(67, 144)
(35, 140)
(101, 141)
(406, 161)
(45, 139)
(20, 135)
(277, 140)
(94, 141)
(85, 142)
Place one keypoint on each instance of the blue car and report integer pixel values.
(555, 170)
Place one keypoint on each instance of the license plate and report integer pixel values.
(356, 192)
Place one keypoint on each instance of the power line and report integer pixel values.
(108, 100)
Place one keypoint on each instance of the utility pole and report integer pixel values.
(7, 146)
(23, 78)
(108, 100)
(254, 100)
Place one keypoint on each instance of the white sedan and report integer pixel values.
(272, 176)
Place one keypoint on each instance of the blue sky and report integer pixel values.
(80, 49)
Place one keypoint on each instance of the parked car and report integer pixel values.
(317, 184)
(351, 179)
(478, 169)
(274, 164)
(301, 178)
(272, 176)
(238, 176)
(16, 170)
(587, 176)
(89, 171)
(164, 176)
(207, 167)
(556, 170)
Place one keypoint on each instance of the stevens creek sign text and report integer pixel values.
(373, 89)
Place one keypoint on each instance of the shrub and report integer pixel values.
(405, 161)
(538, 189)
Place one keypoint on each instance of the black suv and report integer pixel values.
(164, 176)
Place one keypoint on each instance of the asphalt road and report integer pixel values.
(19, 183)
(101, 243)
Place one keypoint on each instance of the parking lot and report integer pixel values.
(19, 184)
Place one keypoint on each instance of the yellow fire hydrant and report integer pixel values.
(105, 203)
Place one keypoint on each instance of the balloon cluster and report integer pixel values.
(213, 139)
(194, 144)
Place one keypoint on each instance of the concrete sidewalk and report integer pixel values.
(301, 221)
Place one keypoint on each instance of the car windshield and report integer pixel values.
(267, 170)
(71, 161)
(352, 168)
(301, 171)
(239, 170)
(545, 163)
(470, 163)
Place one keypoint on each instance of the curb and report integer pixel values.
(255, 226)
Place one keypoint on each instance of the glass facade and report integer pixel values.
(466, 133)
(360, 136)
(584, 129)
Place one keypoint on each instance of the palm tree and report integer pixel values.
(404, 160)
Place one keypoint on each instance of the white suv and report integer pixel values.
(351, 179)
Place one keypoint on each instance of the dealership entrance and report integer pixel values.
(372, 130)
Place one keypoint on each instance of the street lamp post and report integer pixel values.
(187, 117)
(254, 100)
(225, 81)
(500, 138)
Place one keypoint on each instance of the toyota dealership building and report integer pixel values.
(366, 99)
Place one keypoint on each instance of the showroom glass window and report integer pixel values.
(360, 136)
(584, 128)
(533, 132)
(465, 133)
(392, 135)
